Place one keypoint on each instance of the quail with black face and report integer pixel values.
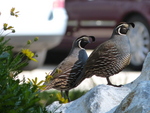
(71, 67)
(110, 57)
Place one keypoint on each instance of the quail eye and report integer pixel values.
(123, 30)
(82, 43)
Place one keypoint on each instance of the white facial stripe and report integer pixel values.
(80, 39)
(122, 25)
(79, 44)
(120, 32)
(119, 28)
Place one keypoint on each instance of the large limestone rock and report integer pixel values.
(108, 99)
(100, 99)
(137, 101)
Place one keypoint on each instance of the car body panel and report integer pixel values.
(105, 9)
(99, 17)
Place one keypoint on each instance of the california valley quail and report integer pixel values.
(71, 67)
(110, 57)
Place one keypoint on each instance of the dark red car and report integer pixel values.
(99, 17)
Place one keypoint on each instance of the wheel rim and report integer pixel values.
(139, 40)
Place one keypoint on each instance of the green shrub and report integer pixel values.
(16, 96)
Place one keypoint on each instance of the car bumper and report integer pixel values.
(44, 42)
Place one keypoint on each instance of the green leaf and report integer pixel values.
(1, 38)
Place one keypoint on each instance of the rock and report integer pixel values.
(100, 99)
(138, 100)
(144, 76)
(107, 99)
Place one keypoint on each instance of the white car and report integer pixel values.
(46, 19)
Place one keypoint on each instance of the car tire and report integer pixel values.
(41, 58)
(140, 41)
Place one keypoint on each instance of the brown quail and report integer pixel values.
(110, 57)
(70, 68)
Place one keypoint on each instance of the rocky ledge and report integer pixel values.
(130, 98)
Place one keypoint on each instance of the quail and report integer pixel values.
(70, 68)
(110, 57)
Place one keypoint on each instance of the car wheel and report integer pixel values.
(140, 41)
(41, 58)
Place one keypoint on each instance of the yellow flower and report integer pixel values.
(36, 38)
(61, 99)
(48, 78)
(29, 42)
(12, 13)
(57, 71)
(6, 27)
(29, 54)
(12, 10)
(38, 84)
(34, 81)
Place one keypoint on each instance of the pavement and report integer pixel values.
(124, 77)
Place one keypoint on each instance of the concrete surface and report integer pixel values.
(123, 77)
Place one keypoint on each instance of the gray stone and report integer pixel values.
(144, 76)
(107, 99)
(137, 101)
(100, 99)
